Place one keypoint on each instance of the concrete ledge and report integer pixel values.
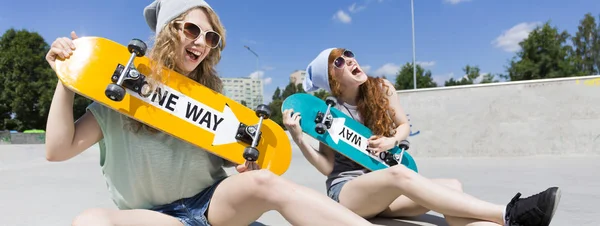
(22, 138)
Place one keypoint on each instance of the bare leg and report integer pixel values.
(381, 188)
(109, 217)
(455, 221)
(243, 198)
(404, 207)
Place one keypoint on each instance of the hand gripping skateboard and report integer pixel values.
(343, 134)
(117, 77)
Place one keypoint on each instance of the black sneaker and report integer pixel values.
(536, 210)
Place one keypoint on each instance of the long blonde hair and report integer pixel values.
(164, 55)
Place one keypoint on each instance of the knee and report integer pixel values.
(92, 217)
(263, 182)
(399, 173)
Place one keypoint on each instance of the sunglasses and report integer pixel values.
(341, 61)
(193, 32)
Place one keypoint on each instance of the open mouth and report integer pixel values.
(193, 54)
(355, 71)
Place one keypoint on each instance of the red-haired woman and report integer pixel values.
(396, 191)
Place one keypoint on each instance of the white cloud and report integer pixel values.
(342, 17)
(389, 70)
(426, 63)
(454, 2)
(480, 78)
(509, 39)
(354, 8)
(267, 80)
(440, 79)
(366, 68)
(260, 75)
(257, 74)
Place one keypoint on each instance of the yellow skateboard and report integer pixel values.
(178, 105)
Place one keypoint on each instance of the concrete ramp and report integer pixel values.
(539, 117)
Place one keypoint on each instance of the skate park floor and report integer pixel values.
(37, 192)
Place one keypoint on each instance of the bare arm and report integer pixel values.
(321, 159)
(400, 119)
(65, 139)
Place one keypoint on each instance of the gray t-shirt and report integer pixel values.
(143, 170)
(344, 168)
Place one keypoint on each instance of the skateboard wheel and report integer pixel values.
(114, 92)
(320, 128)
(404, 144)
(263, 110)
(146, 90)
(137, 46)
(330, 101)
(251, 154)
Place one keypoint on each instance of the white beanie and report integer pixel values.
(160, 12)
(317, 73)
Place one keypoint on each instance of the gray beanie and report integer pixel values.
(160, 12)
(318, 73)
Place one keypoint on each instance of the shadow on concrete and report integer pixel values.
(425, 219)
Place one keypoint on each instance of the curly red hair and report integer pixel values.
(372, 103)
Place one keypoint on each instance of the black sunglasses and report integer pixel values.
(193, 32)
(341, 61)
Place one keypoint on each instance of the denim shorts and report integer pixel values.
(334, 191)
(190, 211)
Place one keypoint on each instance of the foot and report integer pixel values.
(536, 210)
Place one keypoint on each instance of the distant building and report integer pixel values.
(246, 89)
(297, 76)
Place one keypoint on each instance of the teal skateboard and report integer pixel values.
(343, 134)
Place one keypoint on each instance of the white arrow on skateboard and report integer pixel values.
(339, 131)
(222, 124)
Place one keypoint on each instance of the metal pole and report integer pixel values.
(257, 59)
(412, 9)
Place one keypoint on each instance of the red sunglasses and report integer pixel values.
(193, 32)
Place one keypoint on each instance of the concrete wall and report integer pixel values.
(22, 138)
(4, 137)
(543, 117)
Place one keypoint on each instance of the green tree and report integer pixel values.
(321, 94)
(586, 46)
(276, 94)
(543, 54)
(299, 88)
(27, 82)
(404, 78)
(488, 78)
(276, 115)
(277, 101)
(596, 54)
(291, 89)
(471, 74)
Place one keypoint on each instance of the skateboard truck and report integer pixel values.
(128, 76)
(251, 134)
(324, 120)
(394, 159)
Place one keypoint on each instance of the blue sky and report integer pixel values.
(288, 34)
